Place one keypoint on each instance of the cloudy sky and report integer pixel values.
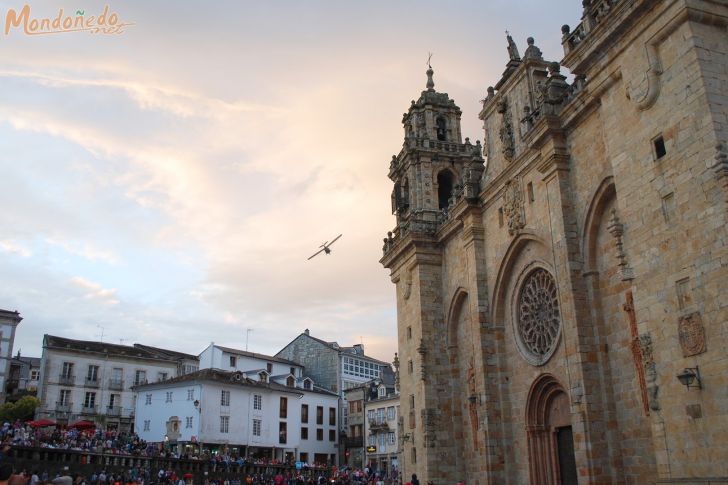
(165, 185)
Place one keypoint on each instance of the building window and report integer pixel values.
(190, 394)
(382, 391)
(64, 399)
(90, 400)
(224, 424)
(168, 397)
(332, 416)
(659, 146)
(233, 361)
(538, 324)
(319, 415)
(410, 367)
(256, 427)
(304, 413)
(257, 402)
(147, 422)
(293, 371)
(319, 434)
(282, 433)
(140, 377)
(114, 400)
(34, 375)
(380, 415)
(269, 367)
(409, 333)
(263, 377)
(290, 382)
(304, 433)
(93, 373)
(332, 435)
(188, 422)
(390, 413)
(161, 376)
(414, 455)
(372, 440)
(224, 398)
(67, 371)
(370, 415)
(284, 407)
(307, 384)
(390, 437)
(382, 440)
(117, 375)
(147, 399)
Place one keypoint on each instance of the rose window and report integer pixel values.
(539, 320)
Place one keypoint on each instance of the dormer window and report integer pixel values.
(307, 384)
(441, 128)
(444, 188)
(263, 376)
(382, 391)
(290, 382)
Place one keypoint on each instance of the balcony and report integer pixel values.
(378, 425)
(116, 384)
(113, 410)
(66, 380)
(88, 410)
(91, 382)
(355, 442)
(63, 407)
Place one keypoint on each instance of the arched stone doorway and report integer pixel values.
(550, 438)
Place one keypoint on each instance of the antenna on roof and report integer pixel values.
(121, 341)
(247, 335)
(101, 338)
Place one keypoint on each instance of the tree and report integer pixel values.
(23, 409)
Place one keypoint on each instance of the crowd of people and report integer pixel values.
(222, 464)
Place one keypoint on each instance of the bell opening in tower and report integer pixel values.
(444, 188)
(441, 128)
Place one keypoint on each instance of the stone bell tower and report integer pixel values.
(436, 181)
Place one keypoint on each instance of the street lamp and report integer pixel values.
(688, 376)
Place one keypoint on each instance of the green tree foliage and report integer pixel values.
(23, 409)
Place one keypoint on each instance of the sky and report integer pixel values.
(165, 185)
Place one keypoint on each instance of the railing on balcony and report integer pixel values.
(355, 442)
(63, 407)
(88, 409)
(378, 423)
(116, 384)
(113, 410)
(91, 382)
(594, 12)
(66, 380)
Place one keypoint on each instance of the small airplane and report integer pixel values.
(325, 247)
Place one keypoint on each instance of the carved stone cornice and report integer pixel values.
(552, 164)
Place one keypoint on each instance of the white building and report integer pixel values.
(8, 323)
(251, 414)
(228, 359)
(93, 380)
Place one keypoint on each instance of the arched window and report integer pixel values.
(444, 188)
(441, 128)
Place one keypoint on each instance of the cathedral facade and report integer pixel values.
(562, 289)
